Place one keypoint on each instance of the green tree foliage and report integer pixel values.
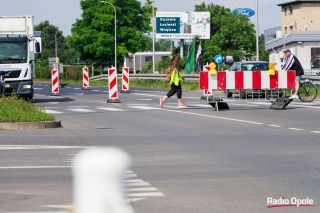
(230, 34)
(263, 53)
(65, 53)
(93, 36)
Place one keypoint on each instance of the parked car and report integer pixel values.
(247, 66)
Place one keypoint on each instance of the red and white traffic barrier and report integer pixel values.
(206, 92)
(85, 84)
(125, 80)
(113, 86)
(247, 80)
(55, 82)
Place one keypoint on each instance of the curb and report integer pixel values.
(30, 125)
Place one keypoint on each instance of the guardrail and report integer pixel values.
(188, 77)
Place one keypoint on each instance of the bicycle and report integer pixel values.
(307, 92)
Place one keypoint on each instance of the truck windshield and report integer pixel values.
(13, 52)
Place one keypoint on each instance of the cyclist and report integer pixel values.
(292, 63)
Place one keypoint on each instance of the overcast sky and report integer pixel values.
(63, 13)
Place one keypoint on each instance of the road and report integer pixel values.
(183, 160)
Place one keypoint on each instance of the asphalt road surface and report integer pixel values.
(183, 160)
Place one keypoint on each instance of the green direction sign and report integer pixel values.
(168, 25)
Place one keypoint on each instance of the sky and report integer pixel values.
(63, 13)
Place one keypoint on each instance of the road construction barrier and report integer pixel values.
(98, 186)
(206, 92)
(244, 80)
(85, 84)
(125, 80)
(113, 86)
(55, 83)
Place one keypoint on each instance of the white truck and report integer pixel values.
(18, 47)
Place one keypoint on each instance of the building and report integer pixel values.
(136, 61)
(300, 15)
(300, 32)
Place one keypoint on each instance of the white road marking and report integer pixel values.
(111, 109)
(144, 107)
(34, 167)
(144, 99)
(76, 93)
(318, 132)
(34, 147)
(48, 111)
(295, 129)
(138, 184)
(76, 88)
(142, 189)
(80, 110)
(95, 90)
(37, 88)
(211, 116)
(275, 126)
(146, 194)
(78, 106)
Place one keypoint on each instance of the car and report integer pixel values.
(247, 66)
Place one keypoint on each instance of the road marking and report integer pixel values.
(146, 194)
(315, 132)
(143, 107)
(76, 93)
(48, 111)
(80, 110)
(32, 147)
(138, 184)
(34, 167)
(295, 129)
(211, 116)
(141, 189)
(144, 99)
(275, 126)
(111, 109)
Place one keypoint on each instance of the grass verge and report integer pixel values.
(14, 109)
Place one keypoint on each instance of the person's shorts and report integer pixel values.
(298, 78)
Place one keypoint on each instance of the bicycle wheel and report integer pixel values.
(307, 92)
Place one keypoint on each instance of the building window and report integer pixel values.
(285, 31)
(290, 10)
(291, 29)
(131, 59)
(148, 58)
(285, 11)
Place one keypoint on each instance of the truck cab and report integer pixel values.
(17, 53)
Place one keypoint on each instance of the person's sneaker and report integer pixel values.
(182, 106)
(161, 102)
(294, 96)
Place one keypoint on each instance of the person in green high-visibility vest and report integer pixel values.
(174, 82)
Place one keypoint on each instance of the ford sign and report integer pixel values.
(244, 11)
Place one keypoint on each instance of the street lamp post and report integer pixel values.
(55, 39)
(257, 32)
(115, 34)
(153, 32)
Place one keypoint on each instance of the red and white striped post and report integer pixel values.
(206, 92)
(55, 82)
(113, 86)
(85, 84)
(125, 80)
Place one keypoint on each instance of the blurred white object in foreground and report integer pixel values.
(99, 181)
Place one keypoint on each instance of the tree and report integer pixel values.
(48, 32)
(93, 34)
(263, 53)
(230, 34)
